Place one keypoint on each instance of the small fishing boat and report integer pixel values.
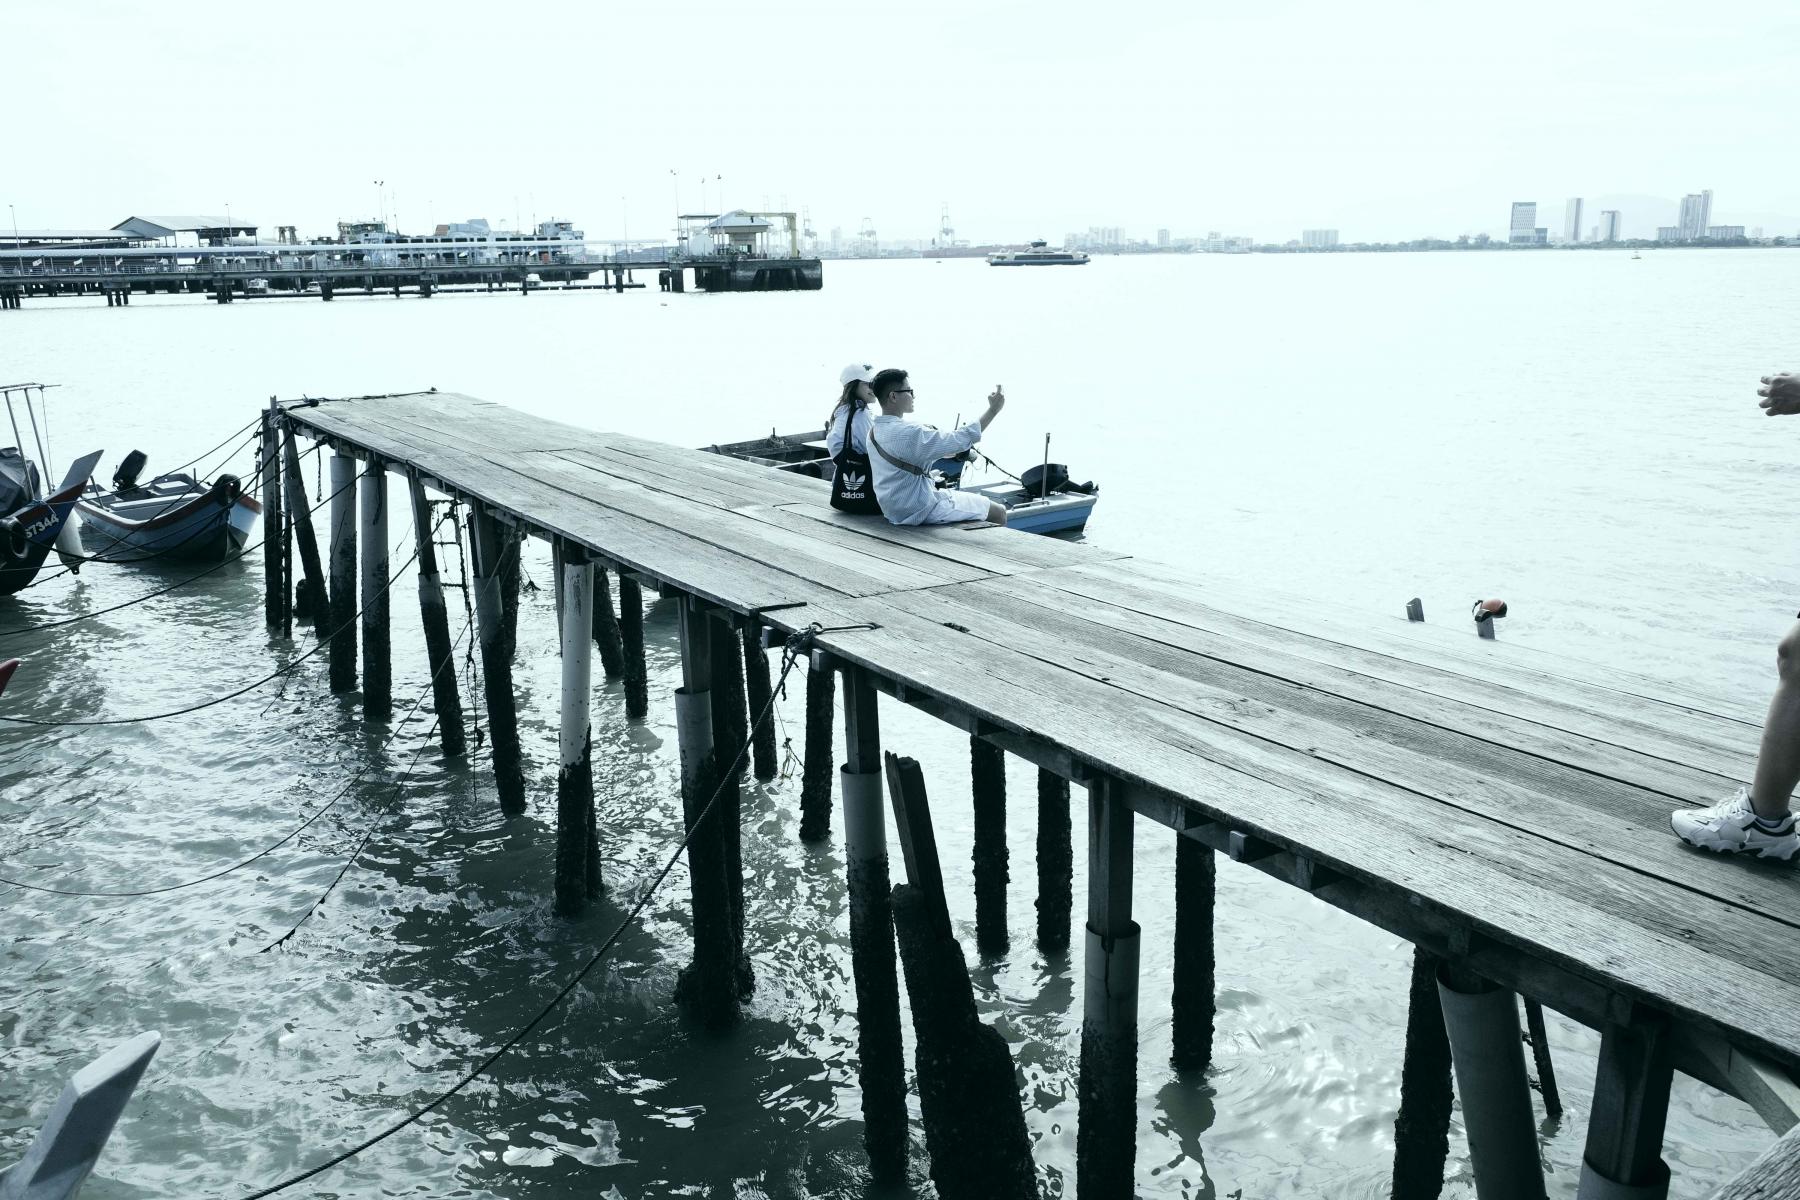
(1042, 500)
(31, 522)
(172, 516)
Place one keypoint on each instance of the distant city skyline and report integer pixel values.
(1262, 121)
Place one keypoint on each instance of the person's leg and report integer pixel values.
(997, 514)
(1778, 761)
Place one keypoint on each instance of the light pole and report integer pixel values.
(378, 183)
(18, 246)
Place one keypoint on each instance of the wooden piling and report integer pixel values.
(575, 777)
(269, 463)
(730, 738)
(606, 627)
(1055, 863)
(1191, 1026)
(378, 666)
(968, 1087)
(1623, 1157)
(511, 575)
(343, 573)
(487, 542)
(881, 1067)
(1422, 1128)
(815, 773)
(756, 681)
(433, 615)
(310, 597)
(1540, 1054)
(987, 777)
(1106, 1136)
(631, 636)
(708, 985)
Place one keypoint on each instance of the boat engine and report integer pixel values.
(1045, 478)
(130, 467)
(226, 489)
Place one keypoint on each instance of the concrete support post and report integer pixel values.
(378, 665)
(487, 543)
(435, 617)
(881, 1062)
(1106, 1139)
(343, 573)
(575, 741)
(1482, 1021)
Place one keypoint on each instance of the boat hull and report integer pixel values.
(203, 525)
(30, 533)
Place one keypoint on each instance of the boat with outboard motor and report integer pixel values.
(31, 522)
(1039, 255)
(1042, 500)
(171, 516)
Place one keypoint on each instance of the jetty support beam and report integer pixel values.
(378, 663)
(1191, 1005)
(275, 589)
(606, 627)
(488, 543)
(1106, 1137)
(881, 1061)
(1623, 1159)
(310, 597)
(343, 573)
(987, 785)
(576, 854)
(1482, 1021)
(815, 775)
(1055, 863)
(439, 651)
(756, 682)
(708, 984)
(1422, 1128)
(631, 635)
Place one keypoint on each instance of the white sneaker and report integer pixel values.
(1730, 827)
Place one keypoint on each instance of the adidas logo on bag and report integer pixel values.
(853, 483)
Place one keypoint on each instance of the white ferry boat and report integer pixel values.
(1040, 255)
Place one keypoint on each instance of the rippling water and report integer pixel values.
(1576, 432)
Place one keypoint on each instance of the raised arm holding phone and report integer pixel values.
(902, 452)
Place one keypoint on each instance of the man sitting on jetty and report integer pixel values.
(904, 451)
(1757, 820)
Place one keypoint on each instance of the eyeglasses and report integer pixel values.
(903, 391)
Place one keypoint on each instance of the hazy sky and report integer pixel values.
(1384, 120)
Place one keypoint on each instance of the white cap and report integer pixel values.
(857, 373)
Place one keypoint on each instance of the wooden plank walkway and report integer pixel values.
(1501, 809)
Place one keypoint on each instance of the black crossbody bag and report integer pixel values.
(853, 483)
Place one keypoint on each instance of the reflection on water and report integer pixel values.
(1364, 429)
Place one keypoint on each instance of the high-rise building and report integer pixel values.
(1524, 218)
(1609, 224)
(1162, 237)
(1668, 233)
(1696, 215)
(1725, 232)
(1318, 239)
(1572, 220)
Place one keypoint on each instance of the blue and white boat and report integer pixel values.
(1039, 255)
(1042, 500)
(32, 523)
(171, 517)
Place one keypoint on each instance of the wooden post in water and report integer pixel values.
(378, 665)
(731, 735)
(1191, 1028)
(606, 627)
(487, 543)
(756, 681)
(631, 635)
(511, 574)
(708, 984)
(1631, 1107)
(1106, 1136)
(1422, 1128)
(1055, 863)
(439, 650)
(1540, 1054)
(343, 573)
(815, 773)
(987, 776)
(269, 465)
(310, 597)
(881, 1064)
(575, 778)
(968, 1087)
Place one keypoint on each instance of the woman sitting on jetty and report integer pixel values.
(847, 442)
(903, 452)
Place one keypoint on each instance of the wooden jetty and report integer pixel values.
(1505, 813)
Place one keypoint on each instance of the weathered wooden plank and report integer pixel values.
(1775, 1175)
(1649, 767)
(1004, 552)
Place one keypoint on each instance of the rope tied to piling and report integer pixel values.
(797, 644)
